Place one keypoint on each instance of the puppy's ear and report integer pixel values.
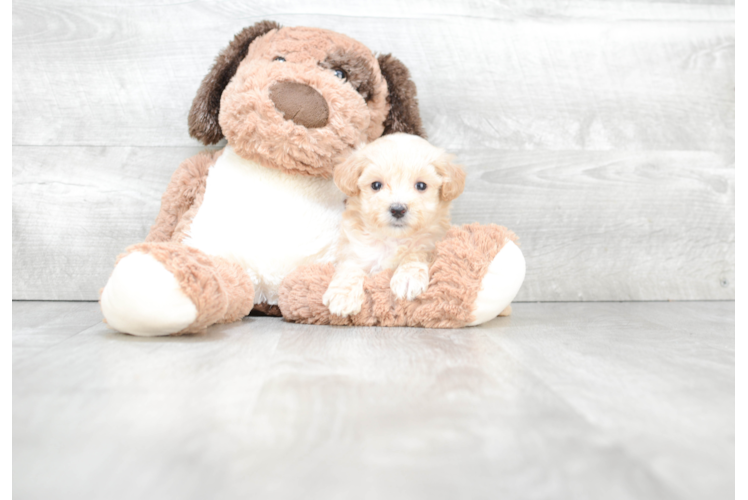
(346, 174)
(203, 119)
(453, 176)
(404, 115)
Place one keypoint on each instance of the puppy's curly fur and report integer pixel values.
(399, 190)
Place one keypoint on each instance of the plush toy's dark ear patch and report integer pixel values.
(203, 119)
(404, 115)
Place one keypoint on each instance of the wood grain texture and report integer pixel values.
(558, 401)
(738, 171)
(601, 132)
(40, 326)
(630, 76)
(611, 225)
(76, 209)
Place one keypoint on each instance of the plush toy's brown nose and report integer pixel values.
(300, 103)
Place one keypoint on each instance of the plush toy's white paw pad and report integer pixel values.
(500, 284)
(409, 283)
(143, 298)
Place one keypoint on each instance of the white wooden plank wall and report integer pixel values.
(738, 171)
(601, 132)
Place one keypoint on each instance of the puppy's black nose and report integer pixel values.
(398, 211)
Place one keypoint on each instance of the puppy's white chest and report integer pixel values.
(376, 255)
(266, 220)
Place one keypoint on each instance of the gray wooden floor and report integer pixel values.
(561, 400)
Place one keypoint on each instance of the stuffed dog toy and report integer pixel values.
(235, 223)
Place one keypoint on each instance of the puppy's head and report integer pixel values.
(299, 98)
(400, 184)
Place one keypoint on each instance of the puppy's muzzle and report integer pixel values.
(398, 210)
(300, 103)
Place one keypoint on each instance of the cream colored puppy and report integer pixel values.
(399, 191)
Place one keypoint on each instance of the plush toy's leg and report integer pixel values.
(169, 288)
(500, 284)
(477, 271)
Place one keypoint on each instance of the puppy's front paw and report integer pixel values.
(410, 282)
(343, 302)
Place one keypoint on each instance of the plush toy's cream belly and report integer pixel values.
(266, 220)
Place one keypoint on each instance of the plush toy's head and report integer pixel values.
(299, 98)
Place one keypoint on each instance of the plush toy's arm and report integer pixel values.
(476, 272)
(187, 186)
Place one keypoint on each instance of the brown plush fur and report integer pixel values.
(182, 198)
(258, 131)
(221, 290)
(265, 309)
(251, 120)
(404, 115)
(375, 97)
(203, 117)
(357, 68)
(461, 260)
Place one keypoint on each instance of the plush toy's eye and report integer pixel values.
(280, 59)
(421, 186)
(376, 186)
(340, 73)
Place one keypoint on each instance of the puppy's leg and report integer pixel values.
(345, 295)
(411, 277)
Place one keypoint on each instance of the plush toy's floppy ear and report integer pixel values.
(203, 119)
(453, 176)
(404, 115)
(346, 174)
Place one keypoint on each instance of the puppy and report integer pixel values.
(399, 191)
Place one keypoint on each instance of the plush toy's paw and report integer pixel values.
(410, 280)
(500, 284)
(344, 301)
(143, 298)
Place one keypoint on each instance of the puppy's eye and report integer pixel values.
(376, 186)
(340, 73)
(421, 186)
(280, 59)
